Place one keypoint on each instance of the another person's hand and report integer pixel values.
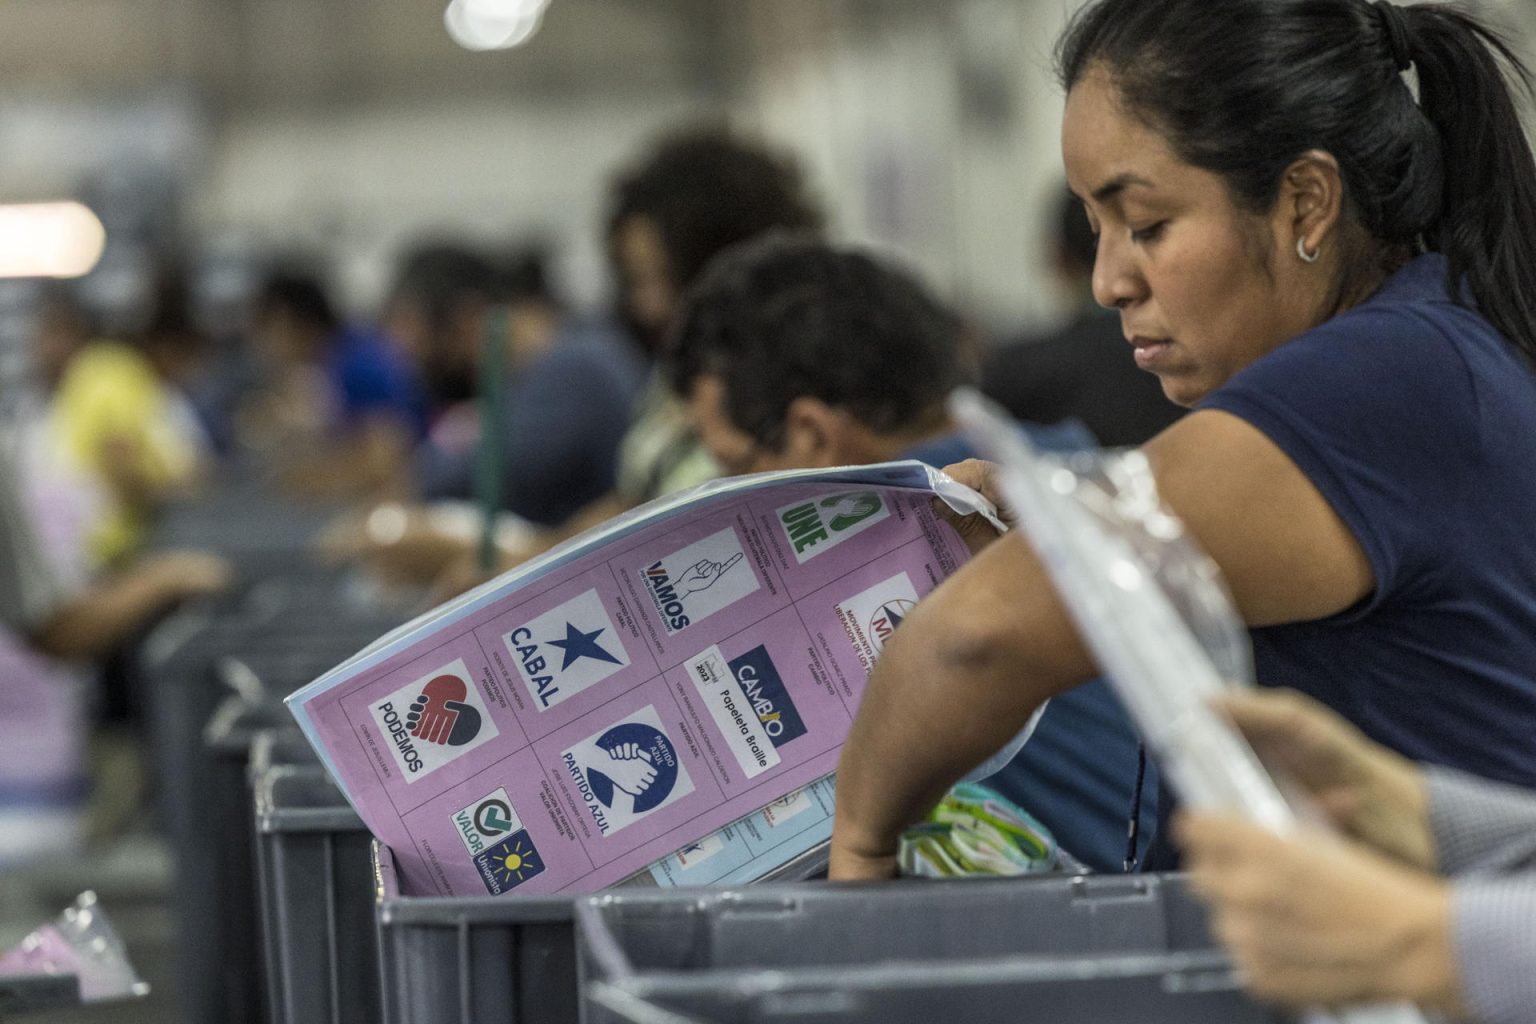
(180, 575)
(974, 529)
(1315, 920)
(1369, 792)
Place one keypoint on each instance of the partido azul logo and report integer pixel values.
(626, 772)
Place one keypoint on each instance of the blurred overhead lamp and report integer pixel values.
(493, 24)
(49, 240)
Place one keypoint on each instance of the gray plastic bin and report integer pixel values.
(230, 846)
(31, 993)
(1180, 988)
(488, 960)
(316, 887)
(1093, 948)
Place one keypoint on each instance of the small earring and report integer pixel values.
(1307, 257)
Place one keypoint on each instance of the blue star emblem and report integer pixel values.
(582, 645)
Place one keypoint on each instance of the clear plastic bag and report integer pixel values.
(82, 942)
(1153, 610)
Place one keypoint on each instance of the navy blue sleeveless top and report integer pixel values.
(1416, 420)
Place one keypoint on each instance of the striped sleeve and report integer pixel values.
(1495, 938)
(1480, 826)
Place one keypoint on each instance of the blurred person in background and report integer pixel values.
(795, 354)
(570, 384)
(694, 193)
(1081, 371)
(569, 387)
(343, 409)
(56, 627)
(120, 416)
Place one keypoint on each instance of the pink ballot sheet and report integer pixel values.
(637, 691)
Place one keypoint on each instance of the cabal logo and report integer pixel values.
(434, 720)
(815, 526)
(567, 649)
(699, 580)
(761, 684)
(885, 620)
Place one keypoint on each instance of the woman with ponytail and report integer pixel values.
(1317, 220)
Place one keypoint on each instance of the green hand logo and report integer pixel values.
(851, 509)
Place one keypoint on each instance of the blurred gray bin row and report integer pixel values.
(36, 993)
(1114, 949)
(516, 959)
(316, 893)
(218, 674)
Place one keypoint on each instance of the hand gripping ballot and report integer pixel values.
(1156, 616)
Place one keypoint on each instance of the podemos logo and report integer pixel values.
(434, 720)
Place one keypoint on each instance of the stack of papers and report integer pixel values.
(975, 831)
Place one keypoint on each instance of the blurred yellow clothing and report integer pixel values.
(113, 417)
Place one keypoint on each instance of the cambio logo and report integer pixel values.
(761, 684)
(433, 721)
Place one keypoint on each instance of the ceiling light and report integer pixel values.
(493, 24)
(49, 240)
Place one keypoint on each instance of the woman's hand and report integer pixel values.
(849, 865)
(974, 529)
(1315, 920)
(1368, 791)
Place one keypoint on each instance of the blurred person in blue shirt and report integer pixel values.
(342, 392)
(567, 394)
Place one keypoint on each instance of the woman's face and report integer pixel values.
(1203, 288)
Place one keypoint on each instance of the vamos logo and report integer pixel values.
(567, 649)
(627, 772)
(694, 583)
(747, 699)
(870, 618)
(434, 720)
(816, 526)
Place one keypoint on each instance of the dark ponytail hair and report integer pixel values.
(1244, 87)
